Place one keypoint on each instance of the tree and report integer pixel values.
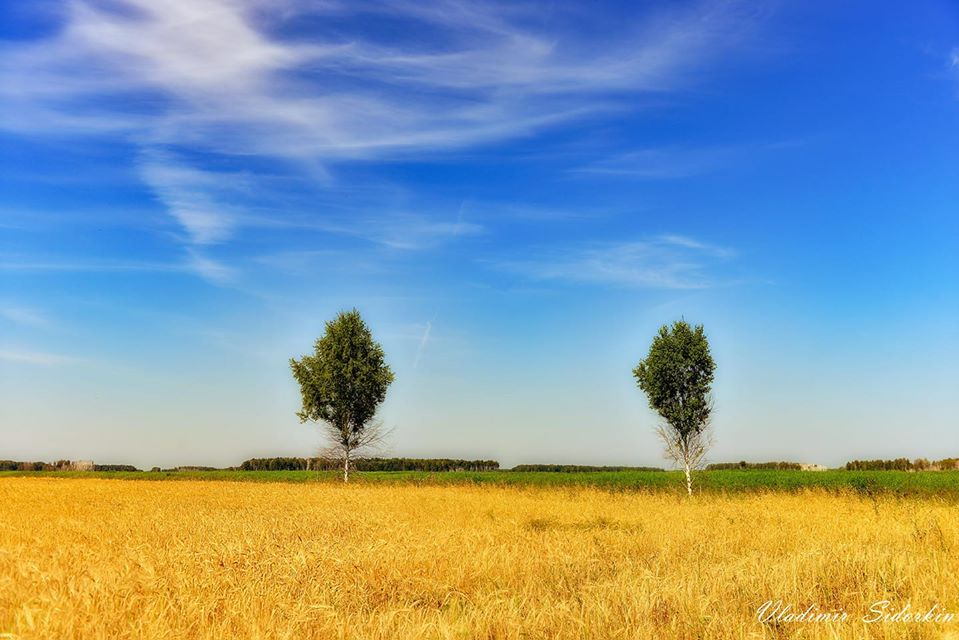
(342, 384)
(676, 377)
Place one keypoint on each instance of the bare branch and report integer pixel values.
(371, 440)
(686, 450)
(345, 449)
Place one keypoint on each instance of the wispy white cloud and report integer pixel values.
(191, 197)
(518, 212)
(213, 74)
(15, 263)
(199, 85)
(663, 262)
(661, 163)
(194, 262)
(712, 250)
(218, 78)
(666, 163)
(392, 228)
(210, 269)
(23, 315)
(409, 231)
(21, 356)
(424, 341)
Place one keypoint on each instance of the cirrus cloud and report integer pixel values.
(669, 261)
(196, 85)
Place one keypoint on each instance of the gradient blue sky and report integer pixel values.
(516, 196)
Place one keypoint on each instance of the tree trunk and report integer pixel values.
(689, 477)
(346, 465)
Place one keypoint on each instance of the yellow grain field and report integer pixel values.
(131, 559)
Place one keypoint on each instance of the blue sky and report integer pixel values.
(516, 196)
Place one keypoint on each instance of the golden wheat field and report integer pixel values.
(131, 559)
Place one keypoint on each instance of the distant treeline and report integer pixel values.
(61, 465)
(368, 464)
(13, 465)
(447, 464)
(903, 464)
(754, 466)
(575, 468)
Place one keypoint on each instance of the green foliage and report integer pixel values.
(575, 468)
(346, 378)
(14, 465)
(369, 464)
(59, 465)
(676, 377)
(903, 464)
(754, 466)
(899, 464)
(274, 464)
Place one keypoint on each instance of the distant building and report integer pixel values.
(812, 467)
(82, 465)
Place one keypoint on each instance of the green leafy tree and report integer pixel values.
(342, 384)
(676, 377)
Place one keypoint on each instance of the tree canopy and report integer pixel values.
(345, 379)
(676, 377)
